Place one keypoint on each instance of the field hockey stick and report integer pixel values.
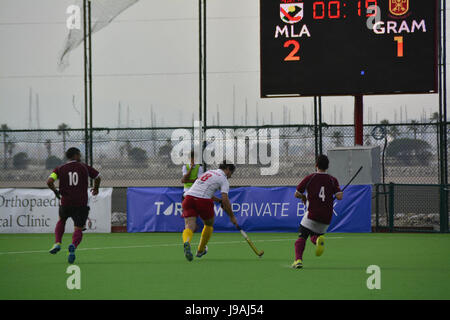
(250, 243)
(345, 187)
(353, 178)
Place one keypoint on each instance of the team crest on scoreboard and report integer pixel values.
(291, 12)
(398, 7)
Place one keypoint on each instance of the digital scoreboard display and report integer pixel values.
(348, 47)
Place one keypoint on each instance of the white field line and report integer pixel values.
(155, 246)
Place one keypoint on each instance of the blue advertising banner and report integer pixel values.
(257, 209)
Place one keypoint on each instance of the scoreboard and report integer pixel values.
(348, 47)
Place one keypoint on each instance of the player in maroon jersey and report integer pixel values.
(73, 191)
(321, 189)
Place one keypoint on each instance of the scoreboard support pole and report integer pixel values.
(319, 100)
(316, 129)
(202, 114)
(358, 120)
(87, 46)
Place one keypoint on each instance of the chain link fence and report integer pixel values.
(142, 157)
(411, 151)
(410, 207)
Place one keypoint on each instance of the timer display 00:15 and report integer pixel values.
(342, 9)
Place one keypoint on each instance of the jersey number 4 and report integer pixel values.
(73, 178)
(322, 193)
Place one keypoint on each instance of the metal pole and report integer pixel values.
(86, 134)
(358, 120)
(391, 207)
(205, 120)
(439, 122)
(444, 93)
(202, 70)
(320, 124)
(377, 207)
(316, 146)
(204, 66)
(443, 150)
(91, 153)
(443, 221)
(200, 74)
(200, 58)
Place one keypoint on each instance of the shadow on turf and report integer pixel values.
(173, 260)
(359, 268)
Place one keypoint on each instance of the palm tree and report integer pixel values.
(414, 128)
(434, 117)
(5, 127)
(391, 129)
(62, 130)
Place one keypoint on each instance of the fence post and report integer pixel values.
(376, 207)
(443, 208)
(391, 207)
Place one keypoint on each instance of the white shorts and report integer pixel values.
(312, 225)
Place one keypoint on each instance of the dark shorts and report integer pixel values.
(198, 207)
(79, 215)
(305, 232)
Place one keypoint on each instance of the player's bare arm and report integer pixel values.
(300, 196)
(215, 199)
(227, 207)
(339, 195)
(51, 185)
(185, 178)
(96, 186)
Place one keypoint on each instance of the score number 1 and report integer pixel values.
(399, 40)
(292, 55)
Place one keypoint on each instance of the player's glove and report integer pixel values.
(57, 194)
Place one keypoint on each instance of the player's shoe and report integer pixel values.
(298, 264)
(201, 254)
(187, 251)
(320, 245)
(55, 249)
(71, 257)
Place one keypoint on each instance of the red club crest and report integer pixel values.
(398, 7)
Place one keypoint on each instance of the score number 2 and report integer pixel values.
(292, 55)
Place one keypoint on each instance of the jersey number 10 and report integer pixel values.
(73, 178)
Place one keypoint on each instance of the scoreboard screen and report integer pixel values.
(348, 47)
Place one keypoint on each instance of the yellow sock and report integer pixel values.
(206, 234)
(187, 235)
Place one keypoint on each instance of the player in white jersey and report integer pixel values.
(199, 202)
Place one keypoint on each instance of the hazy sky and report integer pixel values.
(148, 57)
